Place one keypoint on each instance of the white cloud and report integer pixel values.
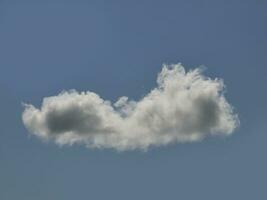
(185, 107)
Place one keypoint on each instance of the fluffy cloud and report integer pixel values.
(184, 107)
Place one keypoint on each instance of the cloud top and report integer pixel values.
(184, 107)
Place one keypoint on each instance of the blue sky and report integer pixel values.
(117, 48)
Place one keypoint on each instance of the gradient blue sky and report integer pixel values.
(116, 48)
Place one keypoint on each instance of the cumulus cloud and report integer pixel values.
(184, 107)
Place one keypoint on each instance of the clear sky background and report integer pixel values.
(116, 48)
